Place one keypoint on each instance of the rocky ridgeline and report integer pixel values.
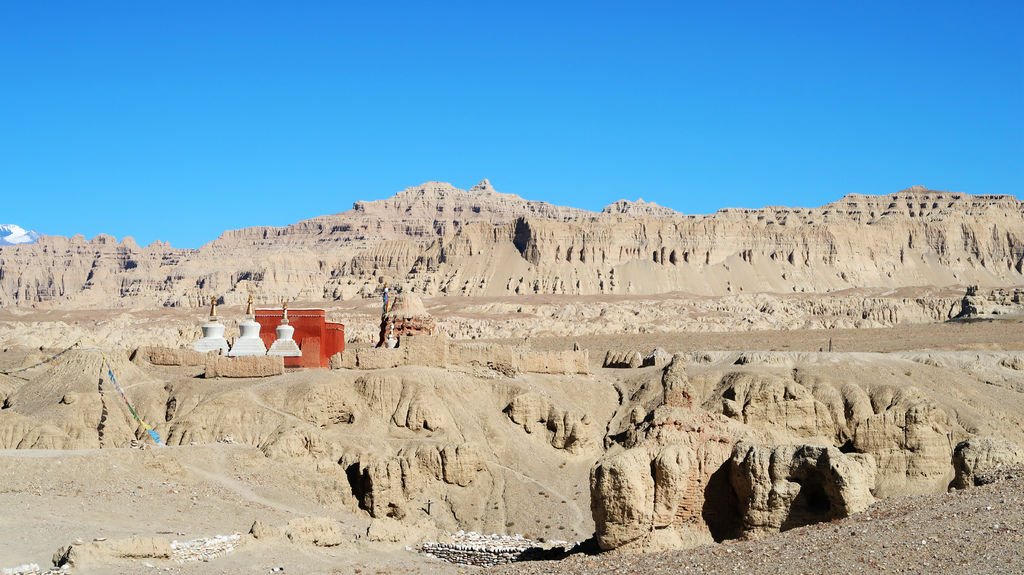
(638, 208)
(436, 239)
(488, 550)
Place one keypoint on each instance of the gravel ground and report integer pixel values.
(979, 530)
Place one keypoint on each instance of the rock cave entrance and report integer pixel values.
(360, 485)
(811, 505)
(721, 506)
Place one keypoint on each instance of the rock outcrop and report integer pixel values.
(774, 403)
(978, 457)
(315, 531)
(996, 302)
(564, 429)
(670, 488)
(783, 487)
(247, 366)
(386, 486)
(627, 358)
(911, 438)
(666, 485)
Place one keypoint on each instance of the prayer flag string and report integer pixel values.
(120, 391)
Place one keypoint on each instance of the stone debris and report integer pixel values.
(33, 569)
(26, 569)
(204, 549)
(471, 548)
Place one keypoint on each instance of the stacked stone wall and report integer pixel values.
(489, 550)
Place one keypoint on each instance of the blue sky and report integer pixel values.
(178, 120)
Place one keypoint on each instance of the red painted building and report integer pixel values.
(318, 339)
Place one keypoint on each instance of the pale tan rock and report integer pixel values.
(441, 240)
(623, 359)
(407, 402)
(638, 208)
(789, 486)
(99, 552)
(657, 358)
(168, 356)
(261, 530)
(767, 401)
(911, 439)
(387, 530)
(70, 403)
(394, 485)
(244, 366)
(672, 467)
(673, 477)
(461, 464)
(992, 303)
(564, 429)
(317, 531)
(678, 391)
(978, 456)
(622, 498)
(1014, 362)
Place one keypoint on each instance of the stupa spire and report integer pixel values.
(213, 333)
(248, 342)
(285, 344)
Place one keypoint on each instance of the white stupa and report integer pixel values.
(248, 342)
(213, 333)
(284, 345)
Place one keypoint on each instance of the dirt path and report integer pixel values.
(222, 476)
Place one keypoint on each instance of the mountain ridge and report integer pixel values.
(437, 239)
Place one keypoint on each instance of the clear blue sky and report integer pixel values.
(178, 120)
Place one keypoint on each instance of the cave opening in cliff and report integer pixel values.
(721, 506)
(811, 505)
(359, 483)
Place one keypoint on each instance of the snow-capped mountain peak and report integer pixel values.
(11, 234)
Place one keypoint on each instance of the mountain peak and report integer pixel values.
(13, 234)
(483, 186)
(638, 208)
(442, 201)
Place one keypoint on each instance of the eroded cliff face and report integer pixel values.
(437, 239)
(720, 445)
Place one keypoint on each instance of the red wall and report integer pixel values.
(318, 339)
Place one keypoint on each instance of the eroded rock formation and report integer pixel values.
(437, 239)
(789, 486)
(978, 457)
